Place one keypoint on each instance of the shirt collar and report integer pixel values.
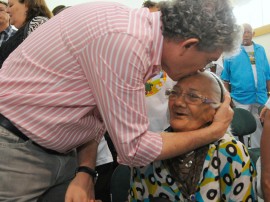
(8, 30)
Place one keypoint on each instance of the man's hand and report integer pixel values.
(223, 117)
(81, 189)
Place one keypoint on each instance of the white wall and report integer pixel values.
(131, 3)
(254, 12)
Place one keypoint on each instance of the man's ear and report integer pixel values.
(190, 42)
(187, 44)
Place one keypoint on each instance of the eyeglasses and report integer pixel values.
(190, 98)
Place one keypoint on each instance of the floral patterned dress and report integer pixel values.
(228, 159)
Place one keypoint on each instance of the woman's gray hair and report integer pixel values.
(210, 21)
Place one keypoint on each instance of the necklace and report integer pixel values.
(186, 161)
(186, 170)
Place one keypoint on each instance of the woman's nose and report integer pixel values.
(180, 100)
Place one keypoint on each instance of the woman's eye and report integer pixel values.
(173, 92)
(192, 95)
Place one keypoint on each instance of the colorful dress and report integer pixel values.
(228, 157)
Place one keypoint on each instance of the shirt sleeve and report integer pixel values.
(115, 66)
(266, 65)
(225, 75)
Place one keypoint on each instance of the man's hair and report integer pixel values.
(36, 8)
(210, 21)
(58, 9)
(149, 4)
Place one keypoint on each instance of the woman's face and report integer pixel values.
(17, 12)
(186, 116)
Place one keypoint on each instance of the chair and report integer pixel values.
(243, 124)
(120, 183)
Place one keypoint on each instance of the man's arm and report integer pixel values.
(265, 157)
(81, 187)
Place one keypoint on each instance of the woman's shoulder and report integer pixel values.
(233, 146)
(228, 138)
(35, 22)
(38, 20)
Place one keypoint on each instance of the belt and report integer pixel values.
(8, 125)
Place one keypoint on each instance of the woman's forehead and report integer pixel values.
(203, 83)
(196, 80)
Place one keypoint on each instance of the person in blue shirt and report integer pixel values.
(247, 76)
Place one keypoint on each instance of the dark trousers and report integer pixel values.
(102, 187)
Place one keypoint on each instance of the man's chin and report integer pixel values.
(175, 77)
(180, 76)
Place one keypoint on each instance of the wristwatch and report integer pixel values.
(89, 171)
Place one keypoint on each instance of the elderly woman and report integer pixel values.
(220, 171)
(26, 16)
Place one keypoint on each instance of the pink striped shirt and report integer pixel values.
(90, 60)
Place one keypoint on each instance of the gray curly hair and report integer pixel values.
(210, 21)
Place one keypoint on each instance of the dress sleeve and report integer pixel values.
(238, 173)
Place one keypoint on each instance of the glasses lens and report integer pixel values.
(167, 92)
(172, 94)
(192, 98)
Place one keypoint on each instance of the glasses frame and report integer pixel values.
(205, 100)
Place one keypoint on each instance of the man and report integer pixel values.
(6, 29)
(84, 71)
(156, 100)
(247, 75)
